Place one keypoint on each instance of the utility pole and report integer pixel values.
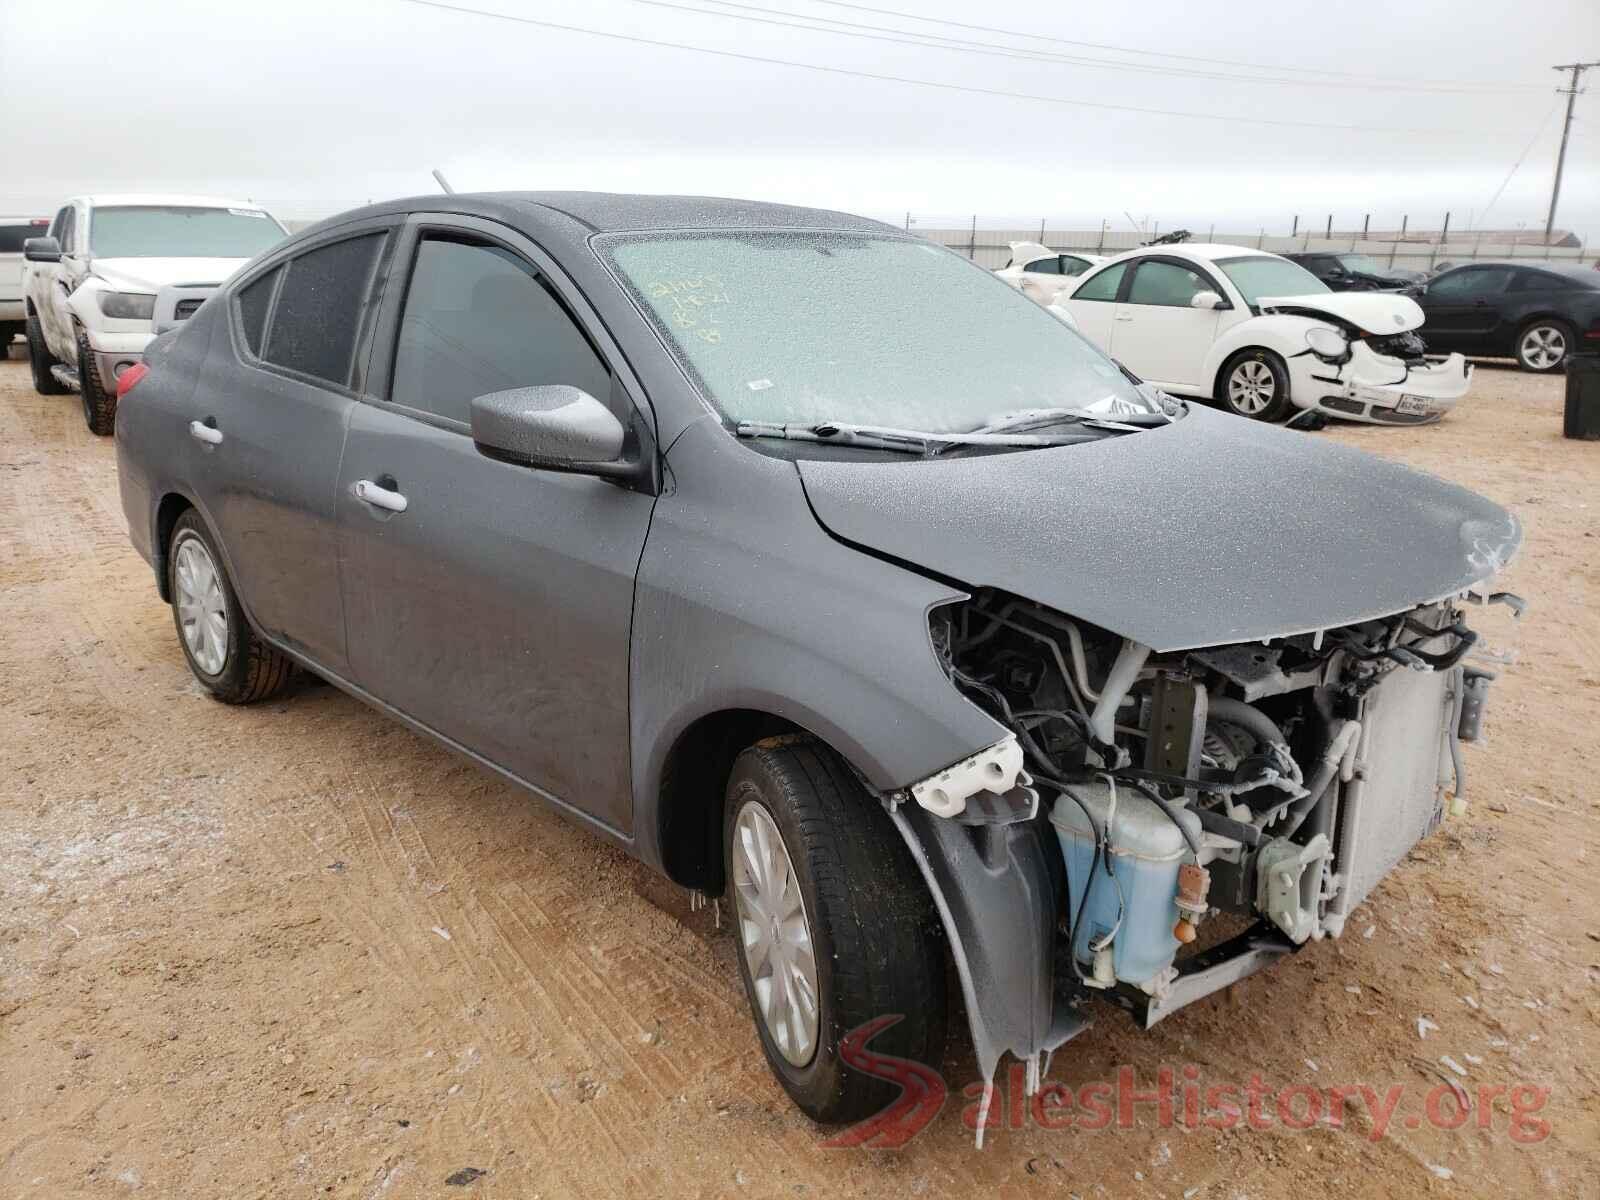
(1577, 70)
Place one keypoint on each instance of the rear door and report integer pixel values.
(1156, 333)
(496, 607)
(1463, 308)
(266, 429)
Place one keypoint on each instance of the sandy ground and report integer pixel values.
(295, 950)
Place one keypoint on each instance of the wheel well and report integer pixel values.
(693, 781)
(172, 507)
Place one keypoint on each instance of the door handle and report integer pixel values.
(1123, 317)
(379, 497)
(205, 431)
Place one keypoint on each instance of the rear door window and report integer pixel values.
(321, 305)
(478, 318)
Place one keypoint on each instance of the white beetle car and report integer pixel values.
(1041, 273)
(1263, 336)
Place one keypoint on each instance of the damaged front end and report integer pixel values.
(1160, 825)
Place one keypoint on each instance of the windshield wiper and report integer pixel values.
(883, 437)
(1031, 418)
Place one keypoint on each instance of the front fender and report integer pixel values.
(1284, 335)
(744, 601)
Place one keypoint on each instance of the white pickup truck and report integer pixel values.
(89, 284)
(13, 232)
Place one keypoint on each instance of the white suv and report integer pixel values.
(90, 284)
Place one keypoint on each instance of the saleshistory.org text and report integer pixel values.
(1180, 1097)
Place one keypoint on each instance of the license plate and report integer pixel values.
(1414, 406)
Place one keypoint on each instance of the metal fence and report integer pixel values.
(1418, 251)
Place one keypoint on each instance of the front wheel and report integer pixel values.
(1543, 345)
(99, 405)
(40, 360)
(835, 925)
(225, 654)
(1254, 383)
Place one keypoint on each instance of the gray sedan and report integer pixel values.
(832, 577)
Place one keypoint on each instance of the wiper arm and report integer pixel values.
(1029, 418)
(883, 437)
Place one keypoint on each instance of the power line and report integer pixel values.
(884, 78)
(1526, 150)
(1226, 62)
(889, 33)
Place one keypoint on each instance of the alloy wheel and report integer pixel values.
(1543, 347)
(202, 611)
(775, 934)
(1251, 387)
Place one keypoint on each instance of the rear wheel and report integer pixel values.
(41, 360)
(835, 925)
(99, 405)
(225, 654)
(1254, 383)
(1544, 345)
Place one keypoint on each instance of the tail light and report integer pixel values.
(130, 378)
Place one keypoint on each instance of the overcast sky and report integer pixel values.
(312, 107)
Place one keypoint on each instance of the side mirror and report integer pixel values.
(1336, 272)
(555, 426)
(1206, 300)
(42, 249)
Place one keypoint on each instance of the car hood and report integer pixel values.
(153, 274)
(1211, 530)
(1372, 312)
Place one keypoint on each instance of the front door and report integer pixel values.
(1157, 333)
(1462, 307)
(492, 602)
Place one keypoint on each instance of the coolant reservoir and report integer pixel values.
(1146, 849)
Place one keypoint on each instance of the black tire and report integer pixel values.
(1555, 332)
(251, 670)
(41, 360)
(99, 405)
(876, 937)
(1278, 407)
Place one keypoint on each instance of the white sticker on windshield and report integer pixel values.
(759, 385)
(248, 212)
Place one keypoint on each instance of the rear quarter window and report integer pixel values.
(252, 303)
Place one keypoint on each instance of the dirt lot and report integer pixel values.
(296, 950)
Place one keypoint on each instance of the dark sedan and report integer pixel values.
(1355, 272)
(1540, 315)
(809, 563)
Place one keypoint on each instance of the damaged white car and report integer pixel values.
(1263, 336)
(1042, 274)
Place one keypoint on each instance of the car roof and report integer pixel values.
(169, 199)
(1199, 251)
(614, 212)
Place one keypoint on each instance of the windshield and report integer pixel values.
(180, 232)
(806, 328)
(1359, 262)
(1267, 275)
